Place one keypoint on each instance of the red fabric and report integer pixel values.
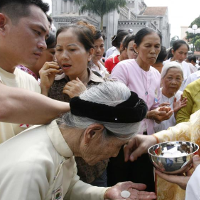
(111, 63)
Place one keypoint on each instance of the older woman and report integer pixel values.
(179, 51)
(142, 78)
(75, 45)
(42, 166)
(171, 79)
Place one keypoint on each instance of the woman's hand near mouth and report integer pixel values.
(47, 76)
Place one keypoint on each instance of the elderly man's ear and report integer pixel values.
(93, 132)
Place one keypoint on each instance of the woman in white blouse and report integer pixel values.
(171, 80)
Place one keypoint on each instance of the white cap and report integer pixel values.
(168, 65)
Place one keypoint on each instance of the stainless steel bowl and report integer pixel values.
(172, 157)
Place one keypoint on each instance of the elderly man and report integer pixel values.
(42, 167)
(23, 30)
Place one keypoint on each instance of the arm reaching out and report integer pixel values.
(138, 145)
(23, 106)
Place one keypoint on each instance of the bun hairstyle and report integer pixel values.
(90, 26)
(117, 39)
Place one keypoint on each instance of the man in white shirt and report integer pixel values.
(23, 30)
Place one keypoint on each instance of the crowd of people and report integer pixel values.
(76, 121)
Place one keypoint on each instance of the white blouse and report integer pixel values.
(164, 125)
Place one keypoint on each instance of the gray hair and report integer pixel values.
(109, 93)
(168, 65)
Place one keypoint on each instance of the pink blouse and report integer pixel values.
(145, 83)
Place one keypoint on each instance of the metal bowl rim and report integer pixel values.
(173, 157)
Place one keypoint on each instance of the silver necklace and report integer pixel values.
(146, 88)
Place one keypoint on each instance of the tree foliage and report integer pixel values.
(197, 45)
(193, 38)
(100, 7)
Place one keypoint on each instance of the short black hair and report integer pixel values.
(51, 40)
(178, 43)
(192, 58)
(143, 32)
(127, 39)
(16, 9)
(117, 39)
(49, 19)
(98, 34)
(162, 55)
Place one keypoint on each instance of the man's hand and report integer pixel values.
(135, 189)
(138, 145)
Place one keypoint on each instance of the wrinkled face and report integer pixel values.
(181, 53)
(148, 49)
(26, 38)
(172, 80)
(130, 51)
(101, 149)
(98, 49)
(71, 54)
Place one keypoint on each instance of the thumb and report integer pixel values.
(174, 99)
(196, 161)
(77, 79)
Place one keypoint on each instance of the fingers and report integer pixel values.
(196, 161)
(179, 180)
(141, 195)
(146, 195)
(174, 99)
(128, 148)
(49, 67)
(131, 150)
(164, 104)
(74, 88)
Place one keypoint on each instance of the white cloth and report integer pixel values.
(192, 77)
(19, 79)
(113, 54)
(110, 51)
(186, 72)
(193, 186)
(39, 165)
(101, 70)
(164, 125)
(192, 68)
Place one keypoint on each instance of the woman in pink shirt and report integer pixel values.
(143, 79)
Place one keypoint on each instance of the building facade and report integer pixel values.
(135, 15)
